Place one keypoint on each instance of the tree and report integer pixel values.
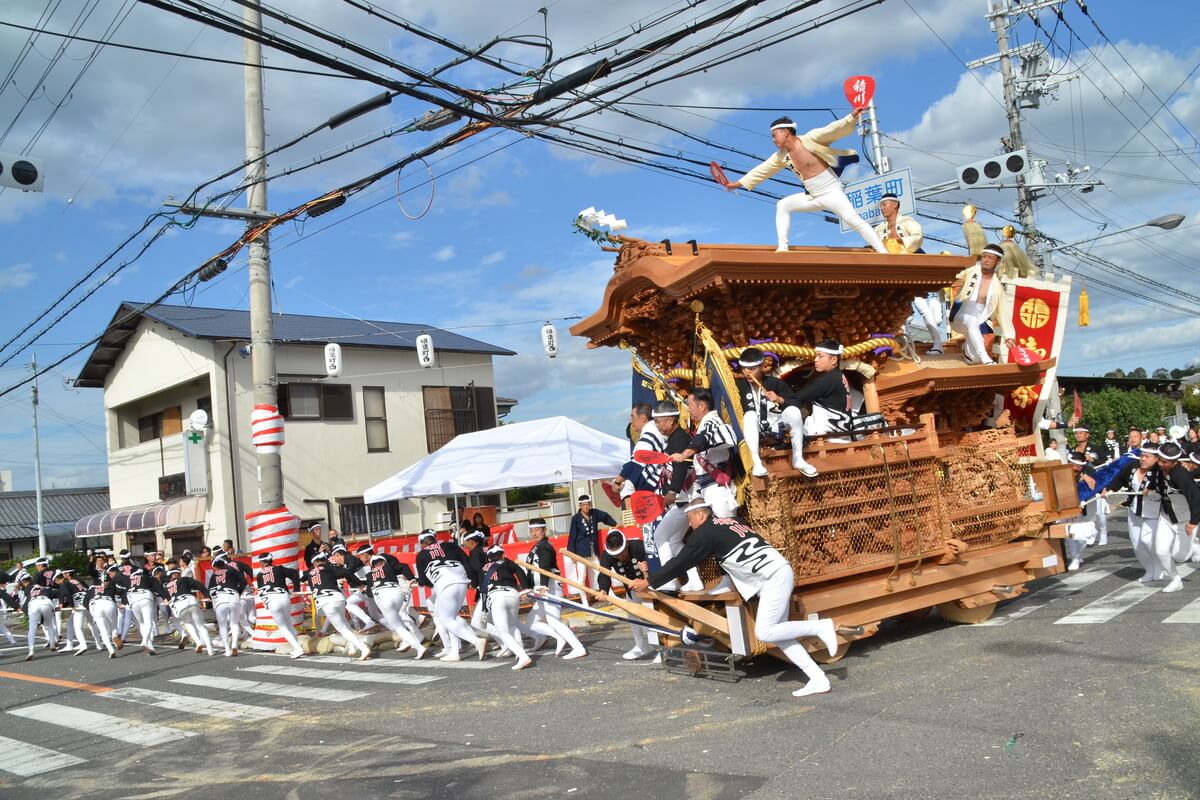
(1116, 373)
(1119, 409)
(1161, 372)
(530, 494)
(1140, 372)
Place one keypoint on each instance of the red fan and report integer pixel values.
(614, 496)
(1023, 355)
(718, 174)
(646, 506)
(859, 90)
(651, 457)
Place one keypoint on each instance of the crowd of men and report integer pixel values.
(1143, 474)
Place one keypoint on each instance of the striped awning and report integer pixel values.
(181, 512)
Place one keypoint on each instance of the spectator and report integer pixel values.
(583, 538)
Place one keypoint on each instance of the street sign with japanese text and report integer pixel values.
(864, 195)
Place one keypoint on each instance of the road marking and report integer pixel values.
(1116, 601)
(1070, 584)
(425, 663)
(1188, 614)
(276, 689)
(83, 687)
(119, 728)
(27, 760)
(337, 675)
(194, 705)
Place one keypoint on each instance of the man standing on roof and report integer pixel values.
(810, 156)
(979, 304)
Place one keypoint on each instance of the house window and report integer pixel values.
(375, 416)
(451, 410)
(326, 401)
(160, 424)
(359, 517)
(205, 404)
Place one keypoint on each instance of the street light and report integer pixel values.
(1168, 223)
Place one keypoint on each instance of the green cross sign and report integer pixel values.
(195, 437)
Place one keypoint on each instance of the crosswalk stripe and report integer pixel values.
(1069, 584)
(1116, 601)
(276, 689)
(194, 705)
(412, 663)
(119, 728)
(27, 760)
(1188, 614)
(339, 675)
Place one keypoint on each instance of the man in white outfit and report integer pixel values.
(810, 157)
(979, 301)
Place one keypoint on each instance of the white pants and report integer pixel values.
(823, 193)
(929, 311)
(187, 612)
(333, 606)
(504, 607)
(580, 573)
(447, 603)
(545, 619)
(228, 609)
(143, 607)
(1157, 539)
(77, 633)
(124, 618)
(4, 631)
(967, 322)
(393, 608)
(668, 541)
(722, 499)
(771, 625)
(104, 615)
(1101, 521)
(249, 610)
(791, 418)
(41, 612)
(354, 609)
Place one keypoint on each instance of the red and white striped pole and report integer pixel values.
(275, 531)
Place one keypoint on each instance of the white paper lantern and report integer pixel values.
(550, 340)
(333, 360)
(425, 350)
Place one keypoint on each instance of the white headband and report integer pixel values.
(829, 350)
(748, 364)
(788, 125)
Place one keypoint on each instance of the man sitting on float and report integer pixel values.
(769, 410)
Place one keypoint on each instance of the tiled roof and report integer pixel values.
(18, 510)
(233, 325)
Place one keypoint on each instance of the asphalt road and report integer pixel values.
(1081, 689)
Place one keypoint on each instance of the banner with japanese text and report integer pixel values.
(1039, 316)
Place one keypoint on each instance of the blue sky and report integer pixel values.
(495, 256)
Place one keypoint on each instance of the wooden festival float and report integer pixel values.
(942, 508)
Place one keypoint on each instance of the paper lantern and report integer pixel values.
(425, 350)
(550, 340)
(333, 360)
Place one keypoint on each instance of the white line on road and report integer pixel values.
(194, 705)
(119, 728)
(1071, 583)
(429, 663)
(276, 689)
(338, 675)
(25, 760)
(1116, 601)
(1188, 614)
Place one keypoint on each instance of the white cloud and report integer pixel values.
(292, 283)
(493, 258)
(17, 276)
(444, 254)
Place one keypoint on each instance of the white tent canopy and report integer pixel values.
(553, 450)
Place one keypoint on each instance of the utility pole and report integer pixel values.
(262, 333)
(37, 466)
(870, 122)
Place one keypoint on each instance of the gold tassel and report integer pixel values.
(1085, 317)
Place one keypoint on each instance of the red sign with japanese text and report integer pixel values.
(1034, 322)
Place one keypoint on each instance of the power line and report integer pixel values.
(176, 54)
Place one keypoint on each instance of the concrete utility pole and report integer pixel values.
(999, 13)
(870, 123)
(37, 466)
(262, 329)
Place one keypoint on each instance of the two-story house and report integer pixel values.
(158, 365)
